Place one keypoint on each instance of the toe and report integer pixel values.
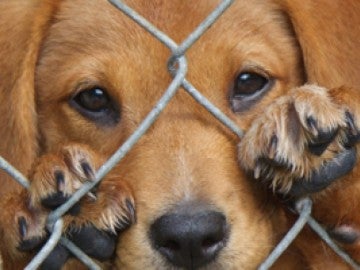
(352, 133)
(26, 243)
(56, 259)
(342, 164)
(320, 143)
(95, 243)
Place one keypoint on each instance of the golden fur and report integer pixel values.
(51, 50)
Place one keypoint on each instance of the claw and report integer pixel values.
(22, 227)
(312, 124)
(352, 133)
(60, 181)
(257, 171)
(91, 196)
(131, 211)
(351, 124)
(273, 146)
(88, 171)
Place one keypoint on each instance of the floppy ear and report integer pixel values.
(23, 24)
(329, 35)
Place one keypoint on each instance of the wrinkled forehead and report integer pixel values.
(93, 40)
(99, 25)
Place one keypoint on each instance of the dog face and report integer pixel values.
(99, 74)
(83, 72)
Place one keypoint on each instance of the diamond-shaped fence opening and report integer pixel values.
(177, 66)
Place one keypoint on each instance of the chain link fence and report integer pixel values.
(177, 66)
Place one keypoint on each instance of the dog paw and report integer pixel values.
(97, 244)
(303, 141)
(109, 206)
(93, 223)
(29, 227)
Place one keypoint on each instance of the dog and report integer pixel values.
(77, 78)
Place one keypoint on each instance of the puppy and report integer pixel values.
(307, 138)
(77, 78)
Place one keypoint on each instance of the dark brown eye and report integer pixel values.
(94, 100)
(249, 83)
(248, 88)
(96, 104)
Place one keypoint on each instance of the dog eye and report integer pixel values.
(96, 104)
(94, 100)
(248, 83)
(247, 89)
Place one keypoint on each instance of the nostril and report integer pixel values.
(169, 249)
(210, 242)
(211, 245)
(190, 240)
(171, 246)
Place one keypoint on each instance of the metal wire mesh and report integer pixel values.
(177, 66)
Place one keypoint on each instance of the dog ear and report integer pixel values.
(328, 33)
(22, 28)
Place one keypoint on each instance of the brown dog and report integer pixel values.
(76, 79)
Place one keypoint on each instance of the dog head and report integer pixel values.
(84, 72)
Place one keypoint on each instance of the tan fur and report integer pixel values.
(51, 50)
(293, 135)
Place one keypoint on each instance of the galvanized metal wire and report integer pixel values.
(304, 207)
(54, 227)
(327, 239)
(79, 254)
(48, 247)
(14, 173)
(177, 65)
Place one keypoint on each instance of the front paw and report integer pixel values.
(92, 224)
(303, 141)
(109, 206)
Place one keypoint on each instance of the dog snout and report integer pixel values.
(190, 239)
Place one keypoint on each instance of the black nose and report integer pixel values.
(190, 239)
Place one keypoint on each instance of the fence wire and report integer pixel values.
(177, 66)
